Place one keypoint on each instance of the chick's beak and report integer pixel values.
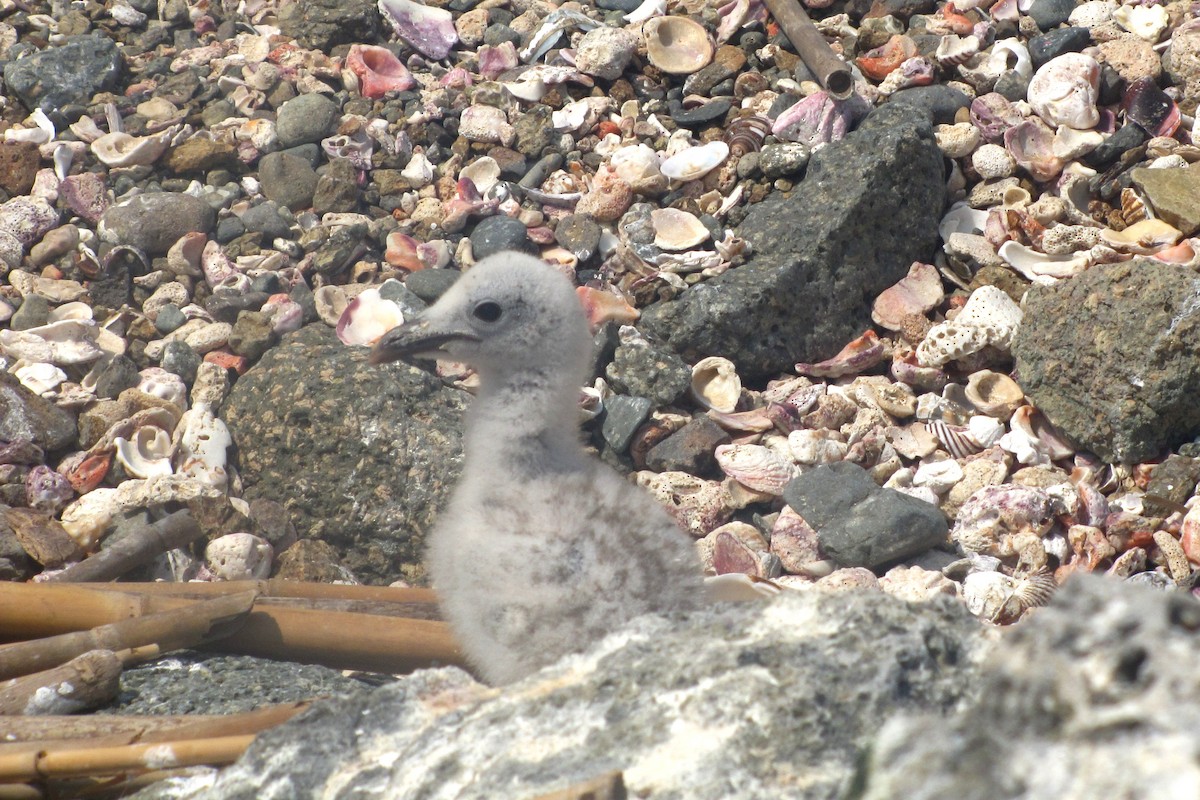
(415, 340)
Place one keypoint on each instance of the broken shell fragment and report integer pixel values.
(1064, 91)
(1147, 236)
(122, 150)
(367, 317)
(916, 293)
(715, 384)
(694, 163)
(755, 466)
(147, 454)
(677, 45)
(860, 355)
(677, 230)
(994, 393)
(430, 31)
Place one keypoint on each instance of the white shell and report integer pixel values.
(88, 518)
(40, 378)
(147, 454)
(715, 384)
(165, 385)
(994, 393)
(367, 317)
(484, 173)
(1064, 91)
(677, 230)
(1144, 22)
(122, 150)
(63, 343)
(695, 162)
(239, 557)
(817, 446)
(1041, 267)
(755, 466)
(201, 440)
(677, 45)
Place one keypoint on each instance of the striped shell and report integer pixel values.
(746, 134)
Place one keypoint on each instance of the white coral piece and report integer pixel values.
(990, 317)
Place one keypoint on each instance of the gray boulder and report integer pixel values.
(868, 207)
(1112, 358)
(363, 457)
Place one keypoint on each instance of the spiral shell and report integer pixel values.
(746, 134)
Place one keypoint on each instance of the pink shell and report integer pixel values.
(378, 70)
(861, 354)
(429, 31)
(915, 293)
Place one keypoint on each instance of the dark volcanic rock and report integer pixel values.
(25, 416)
(70, 73)
(363, 457)
(867, 209)
(321, 24)
(1112, 357)
(155, 221)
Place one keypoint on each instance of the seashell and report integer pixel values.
(47, 490)
(484, 172)
(739, 548)
(755, 466)
(677, 45)
(87, 519)
(916, 293)
(677, 230)
(1151, 108)
(122, 150)
(1070, 144)
(601, 306)
(822, 446)
(878, 63)
(553, 26)
(993, 114)
(1147, 236)
(1001, 599)
(989, 320)
(147, 454)
(40, 378)
(820, 118)
(796, 545)
(746, 134)
(715, 384)
(495, 61)
(378, 71)
(331, 302)
(695, 162)
(285, 313)
(916, 71)
(938, 476)
(239, 557)
(1016, 56)
(1041, 268)
(85, 471)
(430, 31)
(1064, 91)
(1033, 440)
(200, 443)
(994, 393)
(638, 165)
(858, 356)
(1144, 22)
(1031, 144)
(60, 343)
(367, 317)
(699, 506)
(957, 140)
(954, 50)
(648, 9)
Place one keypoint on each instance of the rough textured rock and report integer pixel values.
(860, 524)
(361, 456)
(867, 209)
(26, 416)
(747, 702)
(1173, 193)
(321, 24)
(1094, 697)
(1112, 357)
(70, 73)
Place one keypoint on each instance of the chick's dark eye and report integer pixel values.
(487, 311)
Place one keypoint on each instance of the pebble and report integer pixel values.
(623, 416)
(287, 180)
(498, 233)
(306, 119)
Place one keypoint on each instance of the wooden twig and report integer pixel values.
(86, 681)
(186, 627)
(829, 70)
(138, 547)
(83, 760)
(610, 786)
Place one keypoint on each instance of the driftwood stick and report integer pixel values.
(185, 627)
(610, 786)
(84, 682)
(830, 71)
(80, 761)
(136, 548)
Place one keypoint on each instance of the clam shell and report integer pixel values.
(430, 31)
(994, 393)
(715, 384)
(1064, 91)
(916, 293)
(122, 150)
(677, 230)
(677, 45)
(367, 317)
(693, 163)
(755, 466)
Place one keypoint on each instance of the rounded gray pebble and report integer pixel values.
(305, 119)
(499, 233)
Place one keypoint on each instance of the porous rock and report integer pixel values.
(868, 208)
(1111, 357)
(362, 456)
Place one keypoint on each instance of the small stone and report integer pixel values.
(337, 189)
(700, 115)
(181, 360)
(306, 119)
(117, 375)
(860, 524)
(311, 560)
(605, 52)
(580, 234)
(169, 318)
(72, 72)
(54, 245)
(19, 162)
(252, 335)
(1056, 42)
(1113, 147)
(201, 155)
(33, 313)
(265, 218)
(640, 368)
(1132, 58)
(25, 415)
(287, 180)
(497, 233)
(780, 160)
(430, 284)
(1050, 14)
(1174, 194)
(1175, 478)
(689, 449)
(623, 415)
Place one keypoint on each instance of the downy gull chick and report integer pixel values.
(543, 549)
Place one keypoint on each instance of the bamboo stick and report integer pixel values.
(278, 588)
(830, 71)
(82, 761)
(36, 733)
(138, 547)
(20, 791)
(86, 681)
(185, 627)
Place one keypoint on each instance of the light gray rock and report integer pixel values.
(751, 701)
(1094, 697)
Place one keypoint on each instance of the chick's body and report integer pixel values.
(543, 549)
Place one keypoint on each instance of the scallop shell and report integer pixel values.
(715, 384)
(693, 163)
(677, 45)
(677, 230)
(755, 466)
